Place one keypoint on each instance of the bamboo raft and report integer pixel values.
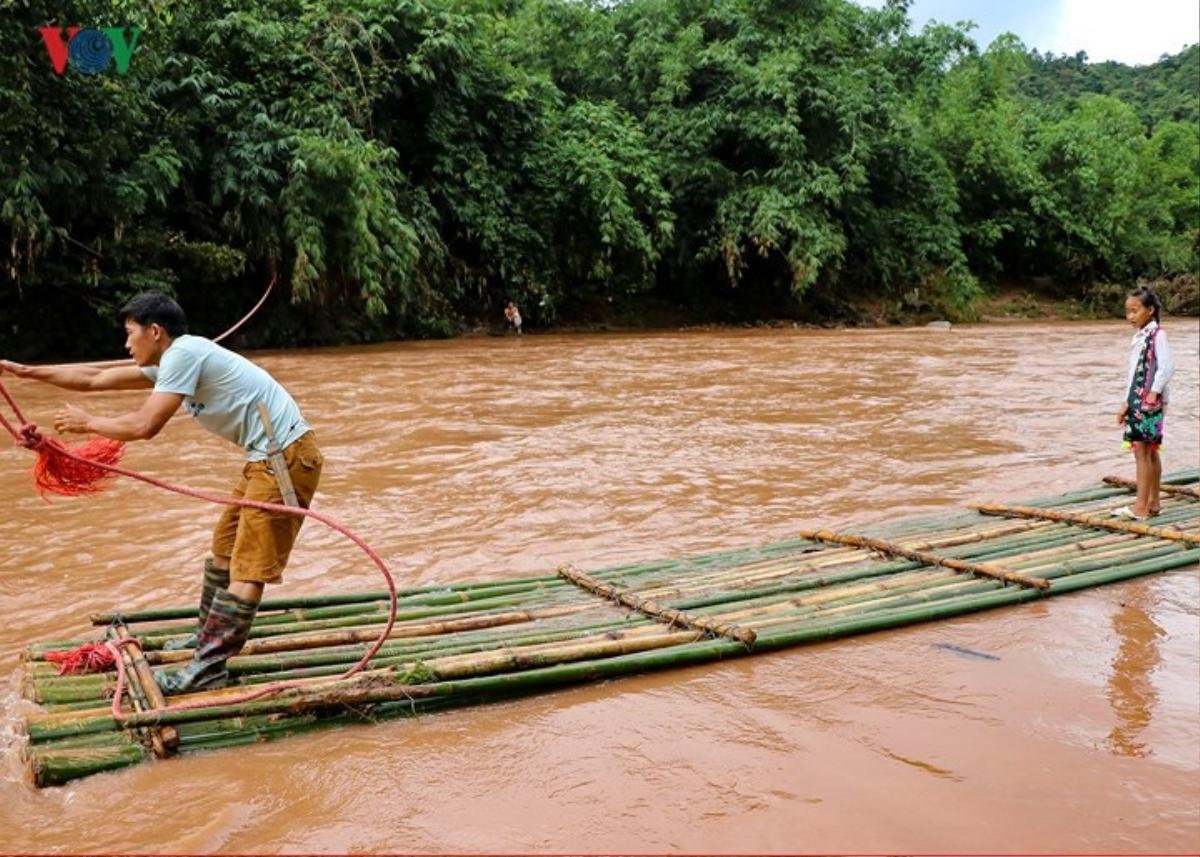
(469, 643)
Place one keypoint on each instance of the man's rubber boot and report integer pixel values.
(214, 579)
(223, 635)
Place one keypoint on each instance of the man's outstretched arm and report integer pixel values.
(81, 376)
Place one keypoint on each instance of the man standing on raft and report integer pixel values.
(223, 392)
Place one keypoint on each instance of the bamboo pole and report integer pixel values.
(50, 766)
(654, 610)
(928, 558)
(1087, 521)
(1169, 490)
(138, 700)
(163, 740)
(328, 600)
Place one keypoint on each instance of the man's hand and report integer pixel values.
(18, 369)
(71, 420)
(1152, 399)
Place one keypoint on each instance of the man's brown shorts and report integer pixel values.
(257, 543)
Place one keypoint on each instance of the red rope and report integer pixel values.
(88, 658)
(51, 450)
(253, 310)
(262, 300)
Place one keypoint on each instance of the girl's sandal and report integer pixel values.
(1127, 512)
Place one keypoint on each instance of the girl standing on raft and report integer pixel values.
(1150, 370)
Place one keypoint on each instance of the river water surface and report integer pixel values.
(485, 457)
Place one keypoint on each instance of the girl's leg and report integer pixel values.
(1153, 499)
(1141, 457)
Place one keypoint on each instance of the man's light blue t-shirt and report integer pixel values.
(222, 391)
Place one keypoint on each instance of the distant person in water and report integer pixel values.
(222, 391)
(1150, 368)
(512, 317)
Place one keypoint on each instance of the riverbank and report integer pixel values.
(999, 304)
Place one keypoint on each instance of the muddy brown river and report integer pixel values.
(503, 457)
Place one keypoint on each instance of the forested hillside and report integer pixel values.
(406, 166)
(1162, 92)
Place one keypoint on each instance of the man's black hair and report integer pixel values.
(148, 308)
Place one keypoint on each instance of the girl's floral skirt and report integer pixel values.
(1144, 426)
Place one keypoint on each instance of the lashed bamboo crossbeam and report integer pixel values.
(1174, 514)
(851, 556)
(832, 556)
(162, 740)
(140, 702)
(98, 718)
(1169, 490)
(653, 609)
(925, 557)
(356, 616)
(1093, 521)
(1056, 572)
(951, 586)
(965, 596)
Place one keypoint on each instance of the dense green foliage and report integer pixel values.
(1163, 92)
(408, 165)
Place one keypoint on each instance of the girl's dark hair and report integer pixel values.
(148, 308)
(1149, 299)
